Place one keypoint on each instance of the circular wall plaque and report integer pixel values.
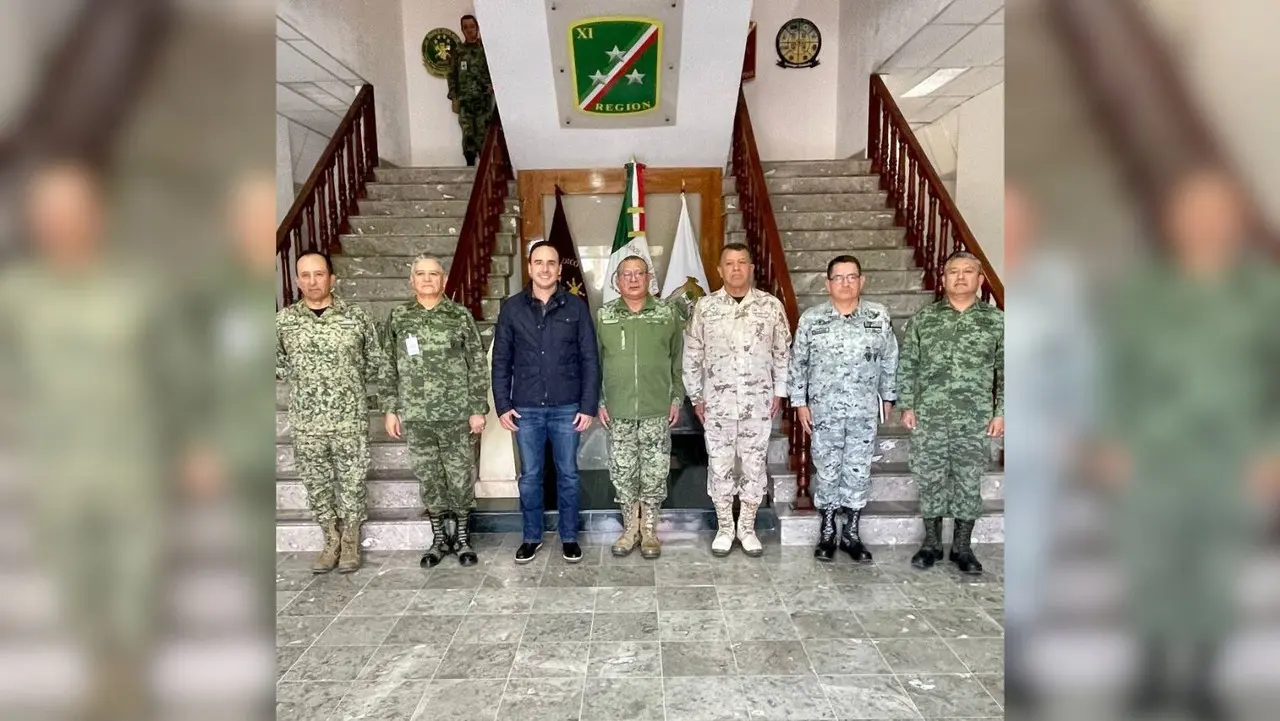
(798, 44)
(437, 50)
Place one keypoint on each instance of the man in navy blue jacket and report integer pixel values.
(546, 385)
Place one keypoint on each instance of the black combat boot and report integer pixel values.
(851, 540)
(961, 552)
(438, 549)
(471, 158)
(466, 556)
(931, 550)
(826, 548)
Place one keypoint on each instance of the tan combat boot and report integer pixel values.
(626, 543)
(723, 542)
(350, 560)
(747, 529)
(649, 546)
(328, 558)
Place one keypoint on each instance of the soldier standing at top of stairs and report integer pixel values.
(329, 352)
(736, 350)
(951, 389)
(471, 89)
(844, 359)
(436, 397)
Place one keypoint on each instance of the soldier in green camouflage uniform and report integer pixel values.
(436, 398)
(951, 390)
(328, 350)
(641, 357)
(471, 89)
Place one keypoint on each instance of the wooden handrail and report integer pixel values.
(771, 272)
(91, 81)
(1113, 47)
(324, 206)
(935, 227)
(469, 272)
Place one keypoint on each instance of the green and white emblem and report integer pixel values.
(616, 63)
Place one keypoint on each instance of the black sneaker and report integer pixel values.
(527, 551)
(572, 552)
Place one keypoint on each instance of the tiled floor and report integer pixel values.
(688, 637)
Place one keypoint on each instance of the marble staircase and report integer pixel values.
(826, 208)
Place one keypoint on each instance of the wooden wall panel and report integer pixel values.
(534, 185)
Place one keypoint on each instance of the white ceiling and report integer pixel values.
(968, 35)
(313, 88)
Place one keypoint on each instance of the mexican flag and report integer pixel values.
(629, 237)
(686, 280)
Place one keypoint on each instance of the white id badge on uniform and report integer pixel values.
(411, 345)
(463, 66)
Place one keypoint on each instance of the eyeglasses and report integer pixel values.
(850, 278)
(634, 275)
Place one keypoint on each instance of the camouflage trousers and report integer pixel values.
(948, 459)
(729, 440)
(474, 119)
(444, 460)
(842, 449)
(639, 459)
(333, 468)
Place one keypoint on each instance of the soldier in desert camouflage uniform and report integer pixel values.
(436, 395)
(640, 341)
(735, 372)
(951, 390)
(471, 89)
(328, 350)
(845, 356)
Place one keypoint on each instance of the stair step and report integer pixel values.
(800, 261)
(403, 492)
(843, 220)
(901, 305)
(403, 529)
(375, 225)
(813, 202)
(432, 191)
(885, 523)
(889, 482)
(892, 430)
(400, 529)
(373, 289)
(442, 245)
(381, 310)
(424, 176)
(425, 208)
(832, 240)
(815, 168)
(814, 185)
(877, 281)
(390, 459)
(398, 266)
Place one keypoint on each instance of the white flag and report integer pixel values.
(686, 278)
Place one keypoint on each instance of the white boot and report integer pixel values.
(747, 529)
(723, 542)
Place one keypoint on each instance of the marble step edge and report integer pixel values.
(891, 523)
(400, 529)
(405, 529)
(403, 491)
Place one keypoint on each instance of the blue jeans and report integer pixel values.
(534, 427)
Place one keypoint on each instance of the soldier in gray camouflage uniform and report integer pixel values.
(640, 340)
(951, 389)
(328, 350)
(736, 350)
(845, 357)
(436, 397)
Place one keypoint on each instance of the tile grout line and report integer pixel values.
(445, 654)
(343, 699)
